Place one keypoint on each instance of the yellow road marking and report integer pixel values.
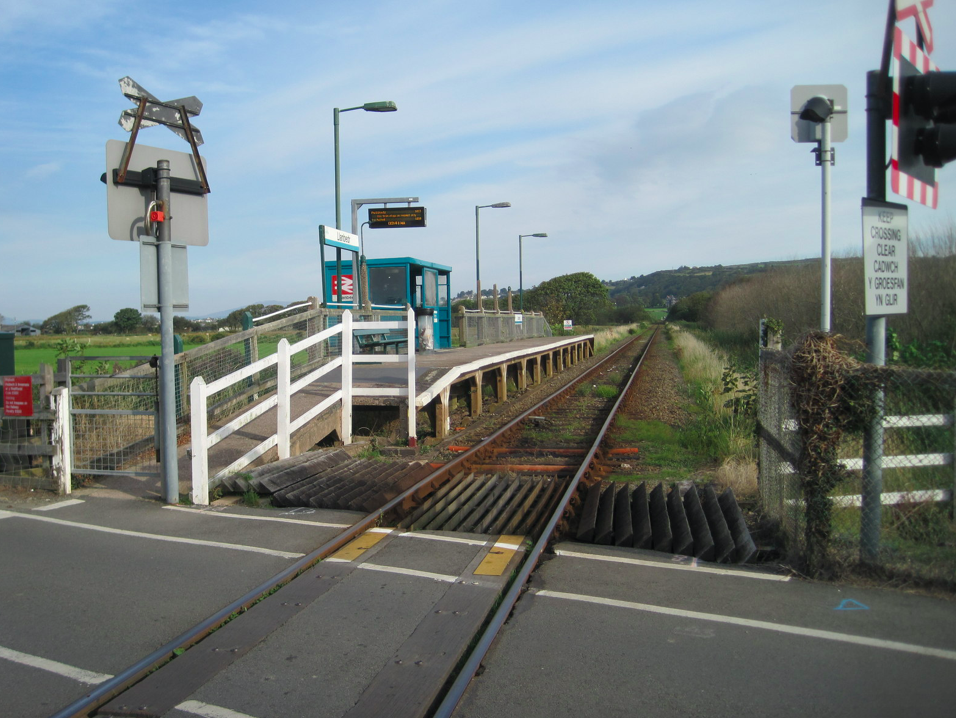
(499, 556)
(356, 548)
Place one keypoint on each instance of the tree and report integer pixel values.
(580, 297)
(67, 321)
(127, 320)
(690, 309)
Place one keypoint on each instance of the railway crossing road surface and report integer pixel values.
(89, 587)
(616, 632)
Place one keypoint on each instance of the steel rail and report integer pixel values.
(457, 690)
(106, 691)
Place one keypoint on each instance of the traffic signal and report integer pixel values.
(918, 140)
(930, 102)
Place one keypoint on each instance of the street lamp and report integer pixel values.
(386, 106)
(496, 205)
(521, 268)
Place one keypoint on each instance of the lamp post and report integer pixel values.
(387, 106)
(496, 205)
(521, 268)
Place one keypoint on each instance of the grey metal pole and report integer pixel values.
(826, 162)
(872, 489)
(338, 207)
(520, 276)
(167, 376)
(477, 264)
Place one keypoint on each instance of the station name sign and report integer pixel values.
(885, 252)
(388, 217)
(337, 238)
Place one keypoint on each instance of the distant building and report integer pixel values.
(23, 330)
(670, 300)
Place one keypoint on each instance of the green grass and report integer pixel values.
(662, 448)
(29, 352)
(657, 313)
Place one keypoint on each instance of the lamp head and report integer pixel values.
(540, 234)
(818, 109)
(387, 106)
(499, 205)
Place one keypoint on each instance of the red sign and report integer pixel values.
(18, 396)
(346, 285)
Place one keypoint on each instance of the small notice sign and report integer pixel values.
(568, 324)
(885, 252)
(18, 396)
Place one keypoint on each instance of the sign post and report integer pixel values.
(340, 240)
(140, 183)
(818, 113)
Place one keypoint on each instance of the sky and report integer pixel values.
(639, 135)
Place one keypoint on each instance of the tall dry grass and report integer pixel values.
(704, 369)
(792, 295)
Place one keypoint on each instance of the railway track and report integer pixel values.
(542, 476)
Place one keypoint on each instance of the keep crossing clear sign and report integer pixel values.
(885, 251)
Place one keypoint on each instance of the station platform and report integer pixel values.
(463, 376)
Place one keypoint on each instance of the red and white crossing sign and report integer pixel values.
(347, 290)
(909, 176)
(918, 9)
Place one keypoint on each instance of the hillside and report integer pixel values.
(652, 289)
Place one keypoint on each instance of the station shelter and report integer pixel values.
(395, 282)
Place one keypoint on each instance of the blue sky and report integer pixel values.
(639, 135)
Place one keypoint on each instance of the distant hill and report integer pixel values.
(652, 289)
(226, 312)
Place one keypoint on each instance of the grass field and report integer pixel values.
(657, 313)
(29, 352)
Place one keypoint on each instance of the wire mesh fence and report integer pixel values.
(26, 451)
(476, 328)
(114, 408)
(857, 461)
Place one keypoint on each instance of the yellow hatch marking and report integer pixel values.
(356, 548)
(499, 556)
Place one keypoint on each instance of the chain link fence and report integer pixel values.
(476, 328)
(857, 461)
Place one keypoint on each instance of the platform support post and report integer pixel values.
(476, 395)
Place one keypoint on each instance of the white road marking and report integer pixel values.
(300, 522)
(765, 625)
(674, 566)
(206, 710)
(408, 572)
(59, 505)
(45, 664)
(159, 537)
(449, 539)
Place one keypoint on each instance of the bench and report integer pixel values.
(370, 340)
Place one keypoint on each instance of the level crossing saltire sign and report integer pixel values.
(18, 396)
(885, 250)
(916, 182)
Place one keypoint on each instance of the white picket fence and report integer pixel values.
(200, 392)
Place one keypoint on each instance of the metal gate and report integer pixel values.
(114, 410)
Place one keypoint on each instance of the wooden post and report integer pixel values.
(346, 344)
(60, 462)
(502, 382)
(284, 399)
(199, 492)
(476, 395)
